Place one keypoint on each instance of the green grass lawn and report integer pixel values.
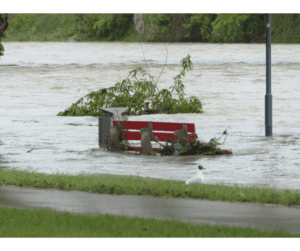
(16, 222)
(134, 185)
(45, 223)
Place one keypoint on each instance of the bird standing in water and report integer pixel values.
(198, 178)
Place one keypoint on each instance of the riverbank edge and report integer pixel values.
(135, 185)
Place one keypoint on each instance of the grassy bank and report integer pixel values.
(134, 185)
(47, 223)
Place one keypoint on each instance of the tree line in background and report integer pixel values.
(214, 28)
(219, 28)
(211, 28)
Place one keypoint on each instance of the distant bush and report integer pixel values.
(236, 28)
(285, 28)
(216, 28)
(222, 28)
(41, 27)
(164, 27)
(109, 26)
(199, 27)
(22, 21)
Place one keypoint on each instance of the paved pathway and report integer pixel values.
(266, 216)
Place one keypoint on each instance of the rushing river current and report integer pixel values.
(40, 79)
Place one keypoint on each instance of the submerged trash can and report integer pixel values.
(106, 122)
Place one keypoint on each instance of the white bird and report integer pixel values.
(198, 178)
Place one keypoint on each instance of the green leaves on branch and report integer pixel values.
(120, 96)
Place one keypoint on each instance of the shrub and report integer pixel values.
(119, 96)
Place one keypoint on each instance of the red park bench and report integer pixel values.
(159, 130)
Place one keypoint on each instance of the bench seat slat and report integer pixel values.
(130, 135)
(156, 126)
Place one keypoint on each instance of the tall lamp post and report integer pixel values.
(268, 97)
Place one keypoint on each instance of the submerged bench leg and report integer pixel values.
(115, 139)
(180, 135)
(146, 135)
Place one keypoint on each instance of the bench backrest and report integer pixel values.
(156, 126)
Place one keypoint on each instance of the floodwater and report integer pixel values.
(40, 79)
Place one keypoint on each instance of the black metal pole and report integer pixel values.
(268, 97)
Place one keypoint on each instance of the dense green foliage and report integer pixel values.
(212, 28)
(60, 27)
(41, 27)
(236, 28)
(285, 28)
(220, 28)
(163, 21)
(23, 21)
(110, 26)
(200, 27)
